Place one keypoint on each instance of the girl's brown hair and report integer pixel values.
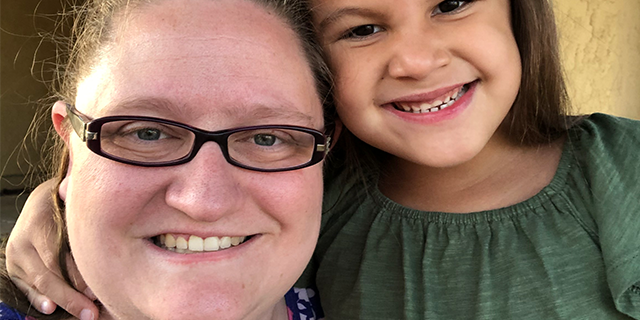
(91, 25)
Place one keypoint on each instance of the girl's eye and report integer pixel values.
(449, 6)
(362, 31)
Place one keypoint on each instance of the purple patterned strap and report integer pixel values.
(304, 304)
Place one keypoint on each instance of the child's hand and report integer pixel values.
(32, 260)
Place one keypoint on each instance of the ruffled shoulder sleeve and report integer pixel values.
(607, 180)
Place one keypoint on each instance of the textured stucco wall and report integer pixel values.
(600, 46)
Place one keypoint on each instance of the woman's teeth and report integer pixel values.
(195, 244)
(437, 105)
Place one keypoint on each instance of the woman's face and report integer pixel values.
(213, 65)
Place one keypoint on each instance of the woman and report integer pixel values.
(162, 223)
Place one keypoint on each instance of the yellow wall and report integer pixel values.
(600, 46)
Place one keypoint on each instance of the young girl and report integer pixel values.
(478, 197)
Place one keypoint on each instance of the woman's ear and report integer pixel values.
(337, 129)
(58, 114)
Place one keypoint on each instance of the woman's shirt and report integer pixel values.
(570, 252)
(8, 313)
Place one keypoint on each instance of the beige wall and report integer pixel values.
(600, 44)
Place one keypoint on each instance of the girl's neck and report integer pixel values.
(499, 176)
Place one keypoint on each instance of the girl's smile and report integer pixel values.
(431, 111)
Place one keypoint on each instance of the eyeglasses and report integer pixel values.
(155, 142)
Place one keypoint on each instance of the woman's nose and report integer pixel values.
(417, 53)
(207, 188)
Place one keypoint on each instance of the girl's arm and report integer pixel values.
(32, 261)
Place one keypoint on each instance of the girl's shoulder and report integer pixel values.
(8, 313)
(605, 152)
(602, 132)
(604, 174)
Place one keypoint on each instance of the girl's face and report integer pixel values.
(214, 65)
(428, 81)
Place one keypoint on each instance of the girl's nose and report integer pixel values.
(416, 54)
(207, 188)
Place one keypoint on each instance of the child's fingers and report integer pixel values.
(62, 294)
(37, 300)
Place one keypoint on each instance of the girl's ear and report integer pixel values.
(58, 114)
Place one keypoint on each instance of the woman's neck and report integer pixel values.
(499, 176)
(278, 312)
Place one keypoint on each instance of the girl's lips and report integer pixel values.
(436, 114)
(443, 101)
(428, 97)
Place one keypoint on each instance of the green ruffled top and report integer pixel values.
(570, 252)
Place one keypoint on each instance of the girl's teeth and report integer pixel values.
(196, 244)
(436, 105)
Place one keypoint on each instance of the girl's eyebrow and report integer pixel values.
(348, 11)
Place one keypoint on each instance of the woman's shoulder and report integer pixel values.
(8, 313)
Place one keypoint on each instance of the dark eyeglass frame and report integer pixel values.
(89, 129)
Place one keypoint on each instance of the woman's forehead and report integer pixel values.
(215, 53)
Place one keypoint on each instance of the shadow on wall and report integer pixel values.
(26, 65)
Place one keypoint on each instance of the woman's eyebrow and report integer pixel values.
(131, 106)
(251, 112)
(348, 11)
(280, 114)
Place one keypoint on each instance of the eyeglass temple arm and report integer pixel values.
(324, 147)
(79, 124)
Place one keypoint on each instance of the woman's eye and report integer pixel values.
(266, 140)
(149, 134)
(362, 31)
(449, 6)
